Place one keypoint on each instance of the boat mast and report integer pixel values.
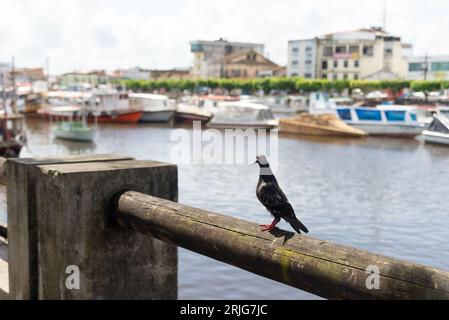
(13, 80)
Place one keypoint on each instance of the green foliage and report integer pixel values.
(289, 85)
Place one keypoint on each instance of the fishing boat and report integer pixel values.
(187, 113)
(318, 125)
(438, 131)
(155, 107)
(241, 114)
(385, 121)
(109, 107)
(76, 128)
(12, 134)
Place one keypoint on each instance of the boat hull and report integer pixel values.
(436, 137)
(396, 130)
(157, 116)
(82, 136)
(185, 117)
(219, 125)
(131, 117)
(128, 117)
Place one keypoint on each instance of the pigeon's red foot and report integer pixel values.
(267, 227)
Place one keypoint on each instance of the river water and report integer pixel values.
(385, 195)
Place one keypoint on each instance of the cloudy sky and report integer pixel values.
(109, 34)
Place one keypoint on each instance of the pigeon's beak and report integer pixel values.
(256, 162)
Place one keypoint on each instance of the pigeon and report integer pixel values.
(271, 196)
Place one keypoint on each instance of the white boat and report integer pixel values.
(438, 131)
(187, 113)
(155, 107)
(285, 106)
(384, 121)
(241, 114)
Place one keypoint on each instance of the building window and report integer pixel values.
(334, 76)
(345, 77)
(308, 62)
(356, 76)
(295, 62)
(294, 74)
(354, 49)
(295, 49)
(324, 76)
(416, 66)
(440, 66)
(388, 52)
(356, 63)
(335, 63)
(346, 64)
(327, 52)
(324, 65)
(308, 49)
(340, 49)
(308, 75)
(368, 51)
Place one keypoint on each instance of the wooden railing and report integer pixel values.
(78, 213)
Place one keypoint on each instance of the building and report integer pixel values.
(29, 74)
(428, 68)
(171, 74)
(93, 78)
(245, 65)
(369, 54)
(302, 55)
(136, 73)
(208, 56)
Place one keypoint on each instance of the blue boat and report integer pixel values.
(383, 120)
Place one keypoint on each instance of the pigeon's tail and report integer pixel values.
(297, 225)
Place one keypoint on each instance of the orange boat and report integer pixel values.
(101, 108)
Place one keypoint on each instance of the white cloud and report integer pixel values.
(83, 34)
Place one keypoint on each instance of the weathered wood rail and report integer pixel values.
(78, 212)
(326, 269)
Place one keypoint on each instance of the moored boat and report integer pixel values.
(155, 107)
(385, 121)
(438, 131)
(110, 107)
(186, 113)
(75, 131)
(318, 125)
(242, 114)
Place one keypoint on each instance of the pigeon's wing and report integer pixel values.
(272, 196)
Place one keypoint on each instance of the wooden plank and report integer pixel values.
(320, 267)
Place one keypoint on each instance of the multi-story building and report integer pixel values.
(428, 68)
(245, 65)
(171, 74)
(208, 56)
(362, 54)
(93, 78)
(302, 56)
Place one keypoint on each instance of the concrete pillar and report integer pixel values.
(21, 203)
(74, 233)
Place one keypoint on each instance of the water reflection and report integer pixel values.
(384, 195)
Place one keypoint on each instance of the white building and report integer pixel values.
(208, 56)
(430, 68)
(302, 55)
(136, 73)
(370, 54)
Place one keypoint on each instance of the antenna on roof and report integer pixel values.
(384, 15)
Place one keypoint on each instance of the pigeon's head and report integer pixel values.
(262, 161)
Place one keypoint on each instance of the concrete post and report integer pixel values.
(75, 234)
(22, 227)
